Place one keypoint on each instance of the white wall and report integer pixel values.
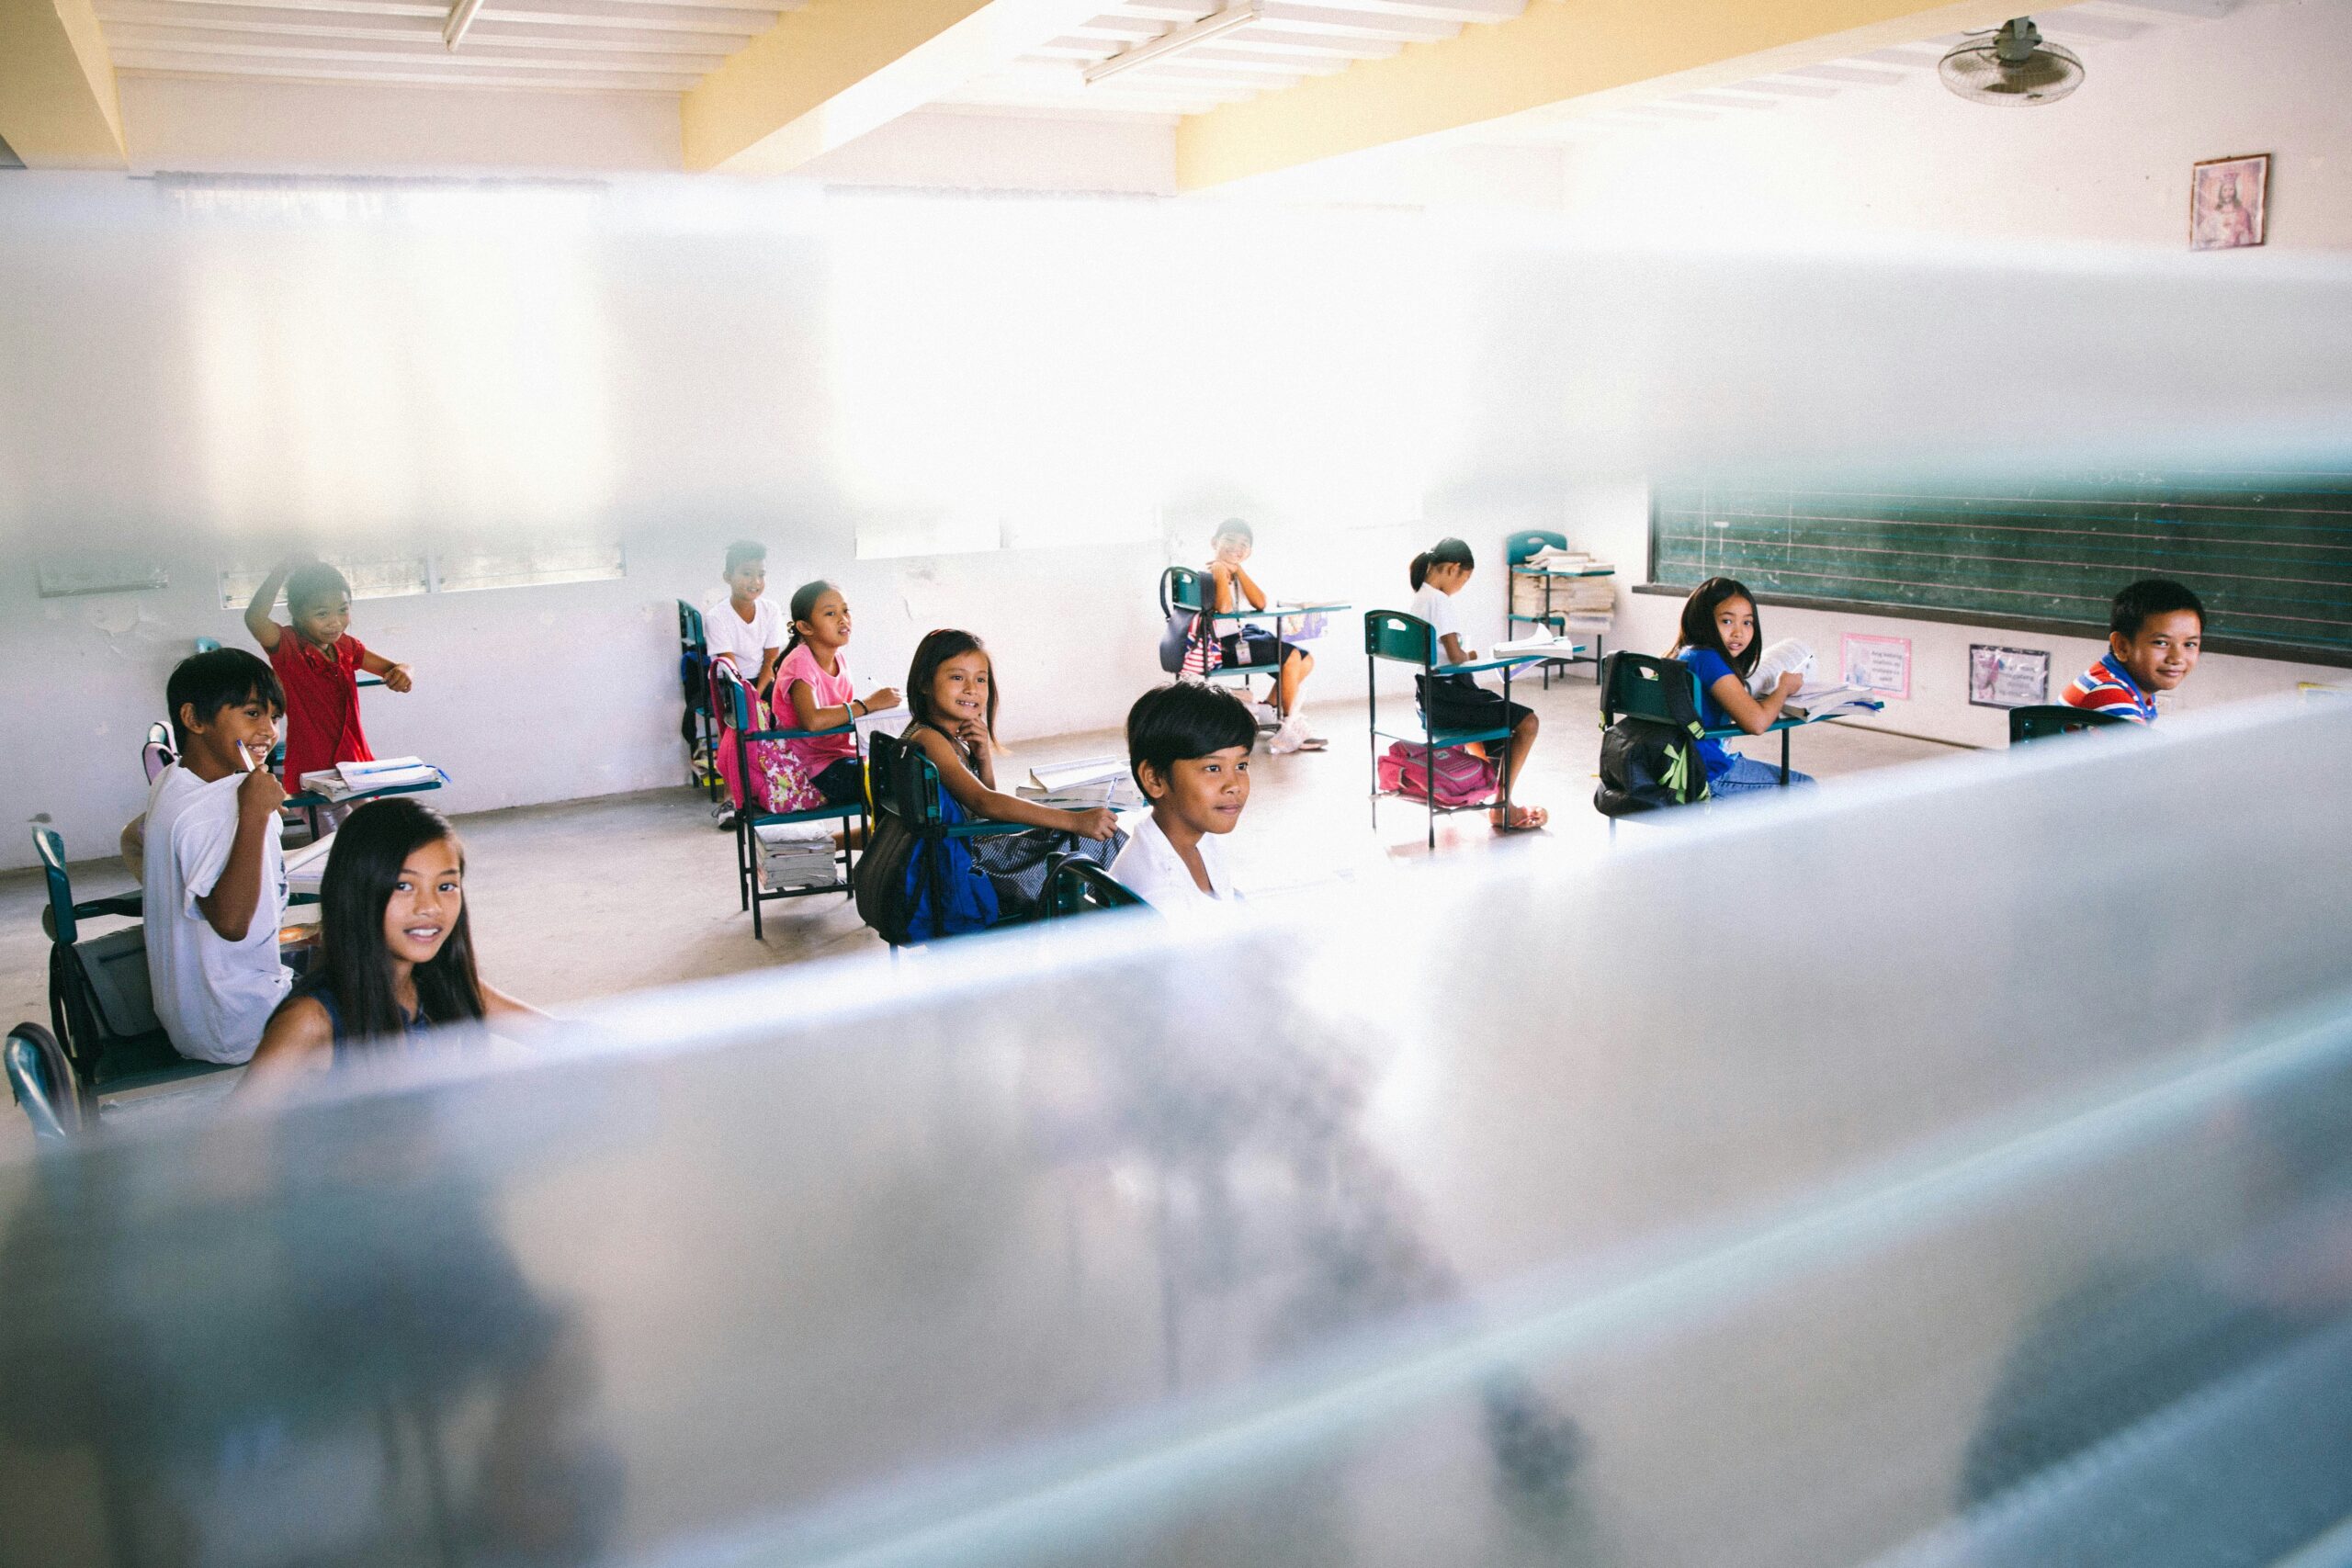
(944, 149)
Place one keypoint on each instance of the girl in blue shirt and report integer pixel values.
(1720, 641)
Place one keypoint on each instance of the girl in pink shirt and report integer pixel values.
(813, 692)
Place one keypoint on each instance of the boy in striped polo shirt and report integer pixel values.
(2155, 631)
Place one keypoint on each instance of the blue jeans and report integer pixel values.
(1746, 773)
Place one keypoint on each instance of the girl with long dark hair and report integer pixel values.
(396, 953)
(1721, 639)
(951, 699)
(1457, 701)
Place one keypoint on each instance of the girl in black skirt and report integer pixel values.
(1458, 702)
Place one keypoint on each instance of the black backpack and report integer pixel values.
(1647, 763)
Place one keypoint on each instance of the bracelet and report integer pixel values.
(856, 709)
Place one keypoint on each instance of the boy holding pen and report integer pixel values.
(214, 875)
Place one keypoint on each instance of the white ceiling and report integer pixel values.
(652, 46)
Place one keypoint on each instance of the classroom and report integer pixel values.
(1371, 782)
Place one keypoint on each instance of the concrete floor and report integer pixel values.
(593, 897)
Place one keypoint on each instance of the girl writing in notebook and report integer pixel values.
(396, 953)
(1253, 644)
(951, 703)
(1719, 639)
(1458, 702)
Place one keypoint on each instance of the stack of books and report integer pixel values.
(796, 855)
(1576, 591)
(346, 779)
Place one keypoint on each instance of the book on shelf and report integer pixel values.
(1831, 701)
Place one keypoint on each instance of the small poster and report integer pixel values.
(1881, 665)
(2008, 677)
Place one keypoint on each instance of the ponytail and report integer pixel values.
(804, 605)
(1445, 552)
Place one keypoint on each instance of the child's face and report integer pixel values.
(322, 621)
(749, 580)
(2164, 653)
(1232, 548)
(237, 739)
(1736, 623)
(1204, 793)
(959, 693)
(1448, 577)
(827, 622)
(426, 900)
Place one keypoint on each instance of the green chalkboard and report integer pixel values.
(2270, 553)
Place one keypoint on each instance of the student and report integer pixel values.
(1458, 702)
(2156, 629)
(951, 703)
(1242, 644)
(1188, 746)
(213, 875)
(317, 662)
(744, 629)
(1720, 641)
(396, 953)
(813, 692)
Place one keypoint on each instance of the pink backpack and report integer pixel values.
(1462, 778)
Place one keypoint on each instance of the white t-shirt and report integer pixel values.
(1151, 869)
(212, 995)
(724, 631)
(1442, 612)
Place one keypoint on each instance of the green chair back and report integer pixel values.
(58, 918)
(1181, 588)
(1074, 885)
(904, 783)
(1633, 685)
(41, 1082)
(691, 637)
(1517, 547)
(2043, 720)
(1393, 634)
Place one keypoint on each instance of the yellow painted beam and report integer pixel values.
(834, 70)
(1553, 52)
(58, 107)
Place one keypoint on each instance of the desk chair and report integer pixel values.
(1406, 640)
(1517, 549)
(907, 788)
(1637, 685)
(1185, 590)
(42, 1082)
(2043, 720)
(101, 1010)
(699, 724)
(729, 694)
(1074, 885)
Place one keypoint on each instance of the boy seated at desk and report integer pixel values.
(213, 873)
(2154, 630)
(1188, 748)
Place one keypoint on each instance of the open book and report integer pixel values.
(348, 779)
(1538, 647)
(1828, 701)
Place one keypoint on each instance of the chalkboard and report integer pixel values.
(2270, 553)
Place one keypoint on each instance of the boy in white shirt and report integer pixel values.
(745, 627)
(214, 874)
(1189, 747)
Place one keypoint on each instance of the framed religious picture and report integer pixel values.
(2226, 202)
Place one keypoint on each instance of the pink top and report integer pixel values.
(830, 691)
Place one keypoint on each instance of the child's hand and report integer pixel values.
(883, 698)
(974, 734)
(397, 677)
(260, 795)
(1096, 822)
(1790, 682)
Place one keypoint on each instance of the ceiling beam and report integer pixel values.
(58, 107)
(1553, 52)
(834, 70)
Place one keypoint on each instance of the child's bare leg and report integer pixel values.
(1523, 739)
(1295, 670)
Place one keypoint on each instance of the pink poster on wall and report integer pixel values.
(1877, 664)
